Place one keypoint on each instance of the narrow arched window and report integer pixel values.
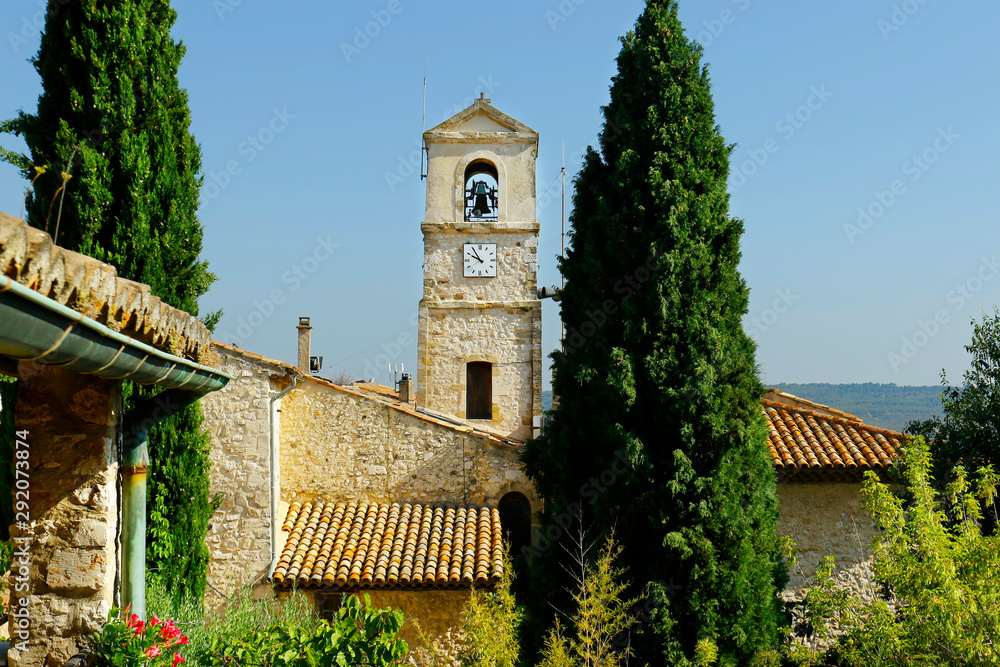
(482, 204)
(515, 519)
(479, 390)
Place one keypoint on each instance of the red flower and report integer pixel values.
(178, 658)
(152, 651)
(154, 621)
(169, 631)
(183, 640)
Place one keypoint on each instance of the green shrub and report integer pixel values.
(358, 635)
(934, 600)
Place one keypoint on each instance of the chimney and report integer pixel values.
(406, 388)
(304, 329)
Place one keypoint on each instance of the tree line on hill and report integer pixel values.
(888, 406)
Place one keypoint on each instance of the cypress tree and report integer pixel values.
(658, 430)
(121, 185)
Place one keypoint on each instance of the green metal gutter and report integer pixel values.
(36, 328)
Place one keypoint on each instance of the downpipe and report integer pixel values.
(134, 470)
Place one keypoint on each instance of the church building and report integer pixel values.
(361, 489)
(479, 349)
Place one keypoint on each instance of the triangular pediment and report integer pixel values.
(480, 122)
(481, 117)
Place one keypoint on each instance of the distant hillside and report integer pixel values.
(883, 405)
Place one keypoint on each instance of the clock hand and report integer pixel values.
(477, 256)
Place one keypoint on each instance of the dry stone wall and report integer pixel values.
(827, 519)
(345, 446)
(64, 587)
(238, 419)
(506, 337)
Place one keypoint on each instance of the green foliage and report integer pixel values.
(113, 115)
(491, 624)
(358, 635)
(969, 431)
(942, 605)
(706, 653)
(658, 430)
(261, 630)
(557, 651)
(178, 492)
(128, 641)
(244, 613)
(110, 98)
(601, 618)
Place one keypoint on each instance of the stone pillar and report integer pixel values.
(304, 343)
(68, 540)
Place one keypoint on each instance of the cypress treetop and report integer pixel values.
(121, 184)
(656, 369)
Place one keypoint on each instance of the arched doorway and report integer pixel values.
(515, 517)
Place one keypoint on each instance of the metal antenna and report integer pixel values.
(563, 254)
(423, 126)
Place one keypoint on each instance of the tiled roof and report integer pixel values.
(808, 445)
(349, 546)
(94, 289)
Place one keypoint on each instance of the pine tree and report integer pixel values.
(121, 185)
(658, 430)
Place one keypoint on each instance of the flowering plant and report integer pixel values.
(128, 641)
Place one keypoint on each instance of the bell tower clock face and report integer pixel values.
(480, 260)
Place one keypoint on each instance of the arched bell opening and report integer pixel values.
(482, 202)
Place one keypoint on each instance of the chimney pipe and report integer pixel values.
(406, 388)
(304, 343)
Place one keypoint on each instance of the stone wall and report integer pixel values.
(514, 159)
(505, 336)
(71, 488)
(827, 519)
(435, 612)
(343, 445)
(444, 267)
(238, 419)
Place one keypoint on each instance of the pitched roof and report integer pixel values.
(808, 445)
(515, 130)
(350, 546)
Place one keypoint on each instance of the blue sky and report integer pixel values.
(866, 164)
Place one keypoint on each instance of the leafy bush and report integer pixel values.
(935, 600)
(358, 636)
(264, 631)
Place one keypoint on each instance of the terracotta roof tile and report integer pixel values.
(809, 445)
(380, 545)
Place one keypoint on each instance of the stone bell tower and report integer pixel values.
(479, 347)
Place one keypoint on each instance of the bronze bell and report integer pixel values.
(480, 192)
